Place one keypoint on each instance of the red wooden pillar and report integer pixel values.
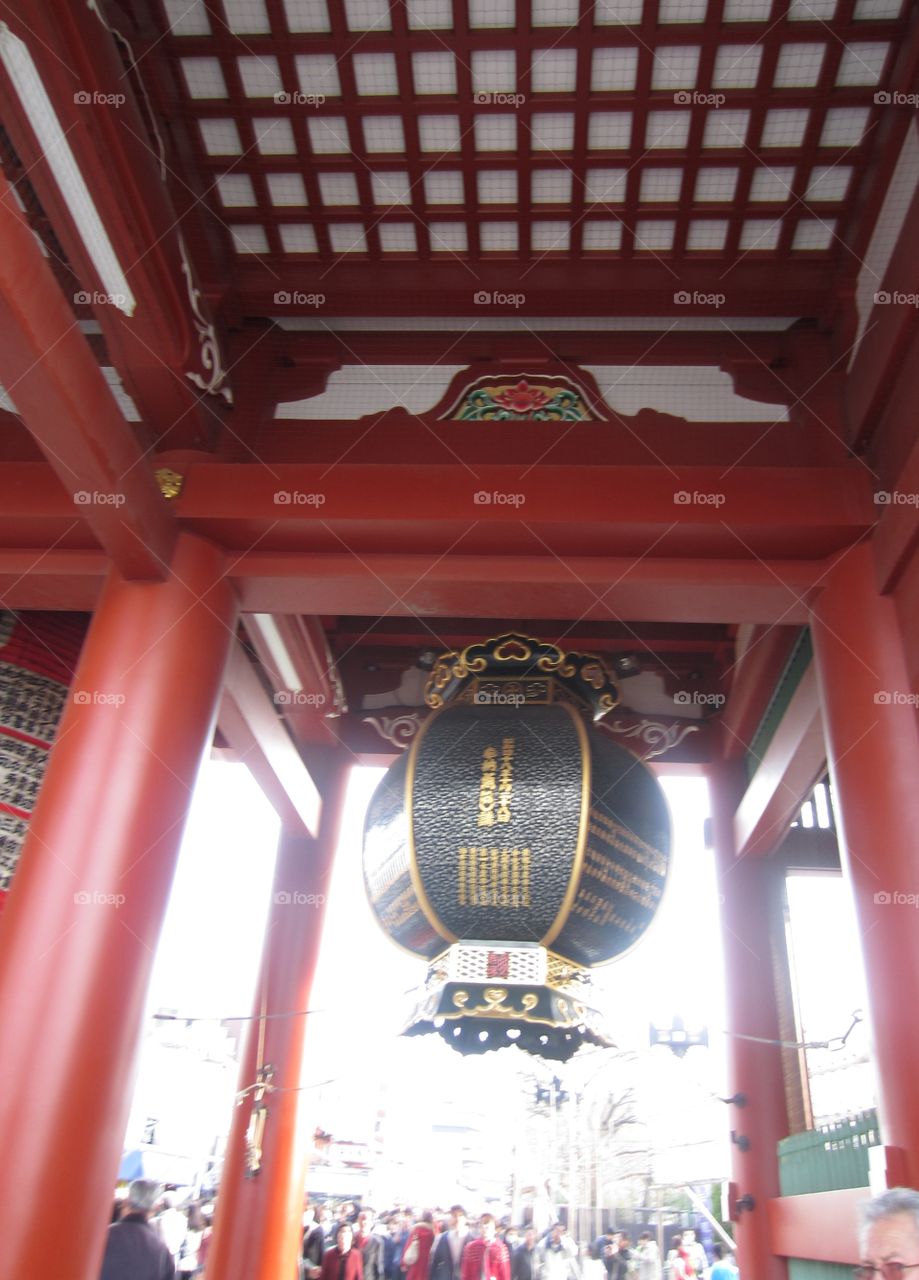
(754, 1068)
(873, 753)
(80, 927)
(258, 1216)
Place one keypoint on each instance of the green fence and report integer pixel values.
(830, 1158)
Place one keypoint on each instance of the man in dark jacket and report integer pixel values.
(523, 1259)
(133, 1250)
(313, 1244)
(370, 1246)
(394, 1245)
(447, 1254)
(605, 1250)
(623, 1257)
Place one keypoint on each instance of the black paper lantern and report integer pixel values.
(514, 847)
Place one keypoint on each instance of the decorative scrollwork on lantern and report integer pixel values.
(655, 734)
(399, 730)
(578, 677)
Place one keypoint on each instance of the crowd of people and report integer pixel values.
(150, 1238)
(356, 1245)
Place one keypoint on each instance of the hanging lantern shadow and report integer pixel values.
(515, 847)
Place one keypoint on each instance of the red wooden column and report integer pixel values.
(81, 924)
(258, 1216)
(754, 1068)
(873, 752)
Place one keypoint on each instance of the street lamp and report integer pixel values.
(677, 1038)
(552, 1095)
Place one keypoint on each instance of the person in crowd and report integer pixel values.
(188, 1262)
(133, 1250)
(605, 1249)
(342, 1262)
(697, 1254)
(557, 1256)
(170, 1223)
(312, 1246)
(624, 1263)
(447, 1254)
(416, 1256)
(511, 1237)
(676, 1243)
(204, 1248)
(370, 1246)
(725, 1267)
(889, 1241)
(681, 1267)
(591, 1266)
(647, 1255)
(486, 1258)
(523, 1259)
(394, 1244)
(327, 1222)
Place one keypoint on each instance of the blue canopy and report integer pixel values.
(156, 1166)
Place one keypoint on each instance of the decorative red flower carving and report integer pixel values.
(522, 399)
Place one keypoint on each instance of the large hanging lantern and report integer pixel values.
(514, 847)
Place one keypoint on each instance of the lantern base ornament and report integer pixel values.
(481, 996)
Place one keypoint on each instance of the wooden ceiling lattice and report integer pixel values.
(682, 131)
